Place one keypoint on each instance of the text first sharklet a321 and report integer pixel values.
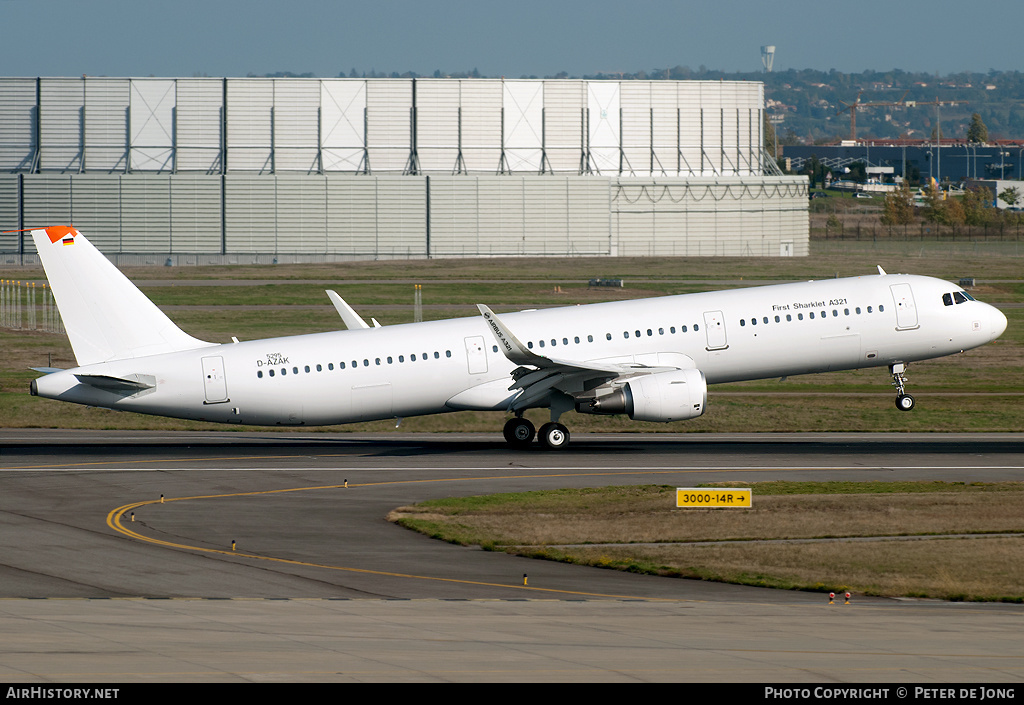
(651, 359)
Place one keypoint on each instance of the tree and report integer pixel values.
(934, 206)
(977, 133)
(898, 208)
(1010, 196)
(954, 213)
(977, 204)
(859, 172)
(770, 138)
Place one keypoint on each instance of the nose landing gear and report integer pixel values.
(904, 402)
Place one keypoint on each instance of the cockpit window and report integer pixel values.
(947, 299)
(959, 297)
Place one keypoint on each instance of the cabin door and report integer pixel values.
(214, 381)
(714, 325)
(906, 311)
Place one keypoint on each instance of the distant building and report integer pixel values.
(955, 161)
(213, 170)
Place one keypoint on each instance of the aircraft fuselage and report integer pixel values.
(434, 367)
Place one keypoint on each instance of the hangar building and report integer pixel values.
(212, 170)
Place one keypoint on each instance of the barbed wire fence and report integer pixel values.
(26, 306)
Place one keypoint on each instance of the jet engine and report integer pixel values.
(664, 396)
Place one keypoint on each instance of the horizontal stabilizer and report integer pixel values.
(129, 383)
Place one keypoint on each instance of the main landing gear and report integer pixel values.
(904, 402)
(520, 432)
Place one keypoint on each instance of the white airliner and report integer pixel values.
(650, 359)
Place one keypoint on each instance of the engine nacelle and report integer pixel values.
(665, 396)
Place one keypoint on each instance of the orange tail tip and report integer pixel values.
(58, 232)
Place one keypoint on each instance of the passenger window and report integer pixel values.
(390, 360)
(753, 321)
(811, 314)
(869, 309)
(789, 317)
(401, 358)
(259, 374)
(799, 316)
(330, 366)
(271, 373)
(590, 339)
(412, 358)
(881, 308)
(696, 327)
(437, 355)
(743, 323)
(778, 320)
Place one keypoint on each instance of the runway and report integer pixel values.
(319, 586)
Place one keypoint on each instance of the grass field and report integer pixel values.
(803, 536)
(215, 303)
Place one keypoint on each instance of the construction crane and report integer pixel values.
(857, 105)
(938, 119)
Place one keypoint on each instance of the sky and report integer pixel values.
(512, 39)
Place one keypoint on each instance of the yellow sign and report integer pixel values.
(714, 497)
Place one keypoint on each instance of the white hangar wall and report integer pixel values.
(340, 168)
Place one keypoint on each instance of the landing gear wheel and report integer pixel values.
(553, 436)
(905, 402)
(519, 431)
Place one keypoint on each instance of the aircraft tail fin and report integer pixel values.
(106, 316)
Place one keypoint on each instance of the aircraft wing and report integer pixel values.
(538, 376)
(351, 319)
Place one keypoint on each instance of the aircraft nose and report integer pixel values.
(998, 322)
